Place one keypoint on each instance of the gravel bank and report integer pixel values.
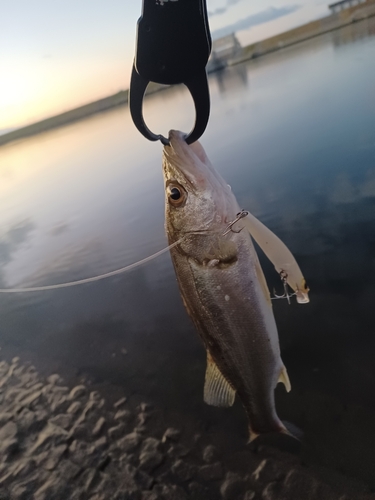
(58, 442)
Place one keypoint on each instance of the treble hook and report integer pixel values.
(239, 216)
(286, 295)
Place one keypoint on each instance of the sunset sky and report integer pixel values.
(57, 55)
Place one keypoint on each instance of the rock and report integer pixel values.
(150, 495)
(127, 495)
(141, 478)
(55, 487)
(259, 469)
(101, 443)
(5, 417)
(150, 444)
(26, 420)
(99, 426)
(170, 492)
(297, 482)
(144, 407)
(120, 402)
(210, 454)
(273, 491)
(23, 467)
(141, 429)
(55, 456)
(8, 438)
(211, 472)
(129, 442)
(198, 491)
(8, 431)
(183, 470)
(69, 470)
(178, 451)
(77, 392)
(54, 379)
(117, 431)
(149, 460)
(79, 431)
(59, 402)
(122, 415)
(142, 419)
(4, 367)
(94, 396)
(171, 434)
(233, 488)
(13, 393)
(84, 454)
(63, 420)
(74, 407)
(52, 435)
(249, 495)
(19, 492)
(89, 478)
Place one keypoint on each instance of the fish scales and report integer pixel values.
(221, 282)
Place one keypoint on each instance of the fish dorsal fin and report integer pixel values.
(280, 256)
(283, 377)
(217, 391)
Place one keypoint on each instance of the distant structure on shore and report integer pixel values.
(226, 51)
(344, 4)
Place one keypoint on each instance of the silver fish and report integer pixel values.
(223, 286)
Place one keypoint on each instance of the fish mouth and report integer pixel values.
(183, 162)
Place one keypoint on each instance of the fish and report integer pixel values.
(222, 284)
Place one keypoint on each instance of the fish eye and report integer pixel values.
(176, 194)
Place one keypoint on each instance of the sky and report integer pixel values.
(57, 55)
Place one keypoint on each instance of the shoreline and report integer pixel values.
(66, 441)
(356, 14)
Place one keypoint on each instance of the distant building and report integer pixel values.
(223, 50)
(344, 4)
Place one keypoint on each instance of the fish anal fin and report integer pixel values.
(217, 391)
(252, 435)
(283, 377)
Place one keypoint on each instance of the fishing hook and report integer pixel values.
(239, 216)
(286, 295)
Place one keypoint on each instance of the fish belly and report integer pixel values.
(234, 318)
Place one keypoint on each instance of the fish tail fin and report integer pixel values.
(281, 430)
(275, 436)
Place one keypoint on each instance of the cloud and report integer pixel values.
(216, 12)
(261, 17)
(222, 10)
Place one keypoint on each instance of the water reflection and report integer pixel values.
(353, 32)
(11, 240)
(297, 147)
(231, 78)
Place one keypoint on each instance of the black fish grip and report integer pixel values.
(173, 46)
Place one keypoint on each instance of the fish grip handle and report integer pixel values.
(173, 46)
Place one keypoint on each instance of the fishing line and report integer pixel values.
(94, 278)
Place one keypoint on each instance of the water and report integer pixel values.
(293, 134)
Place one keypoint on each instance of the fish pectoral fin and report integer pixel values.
(283, 377)
(217, 391)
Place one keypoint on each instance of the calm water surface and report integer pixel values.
(293, 133)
